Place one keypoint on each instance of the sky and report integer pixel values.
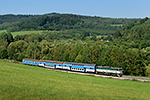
(101, 8)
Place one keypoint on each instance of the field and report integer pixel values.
(21, 32)
(24, 32)
(71, 30)
(19, 81)
(116, 25)
(2, 31)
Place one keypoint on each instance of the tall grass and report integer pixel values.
(29, 82)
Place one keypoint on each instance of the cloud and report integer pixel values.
(2, 10)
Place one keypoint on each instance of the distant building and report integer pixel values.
(107, 41)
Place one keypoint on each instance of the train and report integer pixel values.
(73, 66)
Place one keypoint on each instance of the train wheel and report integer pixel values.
(96, 72)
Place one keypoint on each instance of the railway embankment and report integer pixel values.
(131, 78)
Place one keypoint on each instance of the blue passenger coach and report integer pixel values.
(51, 64)
(83, 67)
(31, 62)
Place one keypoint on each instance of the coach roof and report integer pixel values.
(79, 64)
(31, 59)
(51, 61)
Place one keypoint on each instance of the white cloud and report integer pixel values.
(2, 10)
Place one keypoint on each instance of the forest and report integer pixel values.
(57, 22)
(128, 47)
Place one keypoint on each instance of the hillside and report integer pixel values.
(57, 22)
(139, 30)
(10, 19)
(19, 81)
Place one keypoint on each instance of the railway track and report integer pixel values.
(131, 78)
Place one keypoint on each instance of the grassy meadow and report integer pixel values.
(25, 32)
(22, 32)
(19, 81)
(76, 31)
(2, 31)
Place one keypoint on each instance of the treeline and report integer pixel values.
(132, 56)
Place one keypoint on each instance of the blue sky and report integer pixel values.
(102, 8)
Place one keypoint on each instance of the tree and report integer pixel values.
(7, 36)
(18, 47)
(116, 56)
(79, 58)
(117, 34)
(94, 37)
(44, 48)
(3, 53)
(3, 43)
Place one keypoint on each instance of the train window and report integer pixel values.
(115, 69)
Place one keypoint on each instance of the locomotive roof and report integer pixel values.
(79, 64)
(51, 61)
(110, 67)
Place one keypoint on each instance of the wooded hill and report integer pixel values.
(57, 22)
(139, 30)
(10, 19)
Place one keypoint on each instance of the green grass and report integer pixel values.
(2, 31)
(116, 25)
(74, 30)
(33, 83)
(25, 32)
